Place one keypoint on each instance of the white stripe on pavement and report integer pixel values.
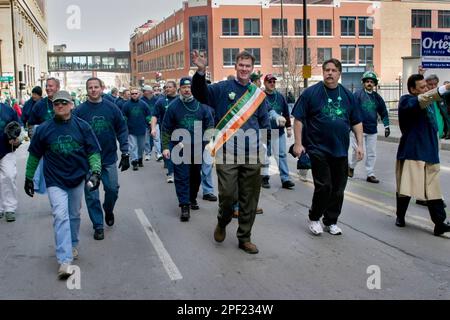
(164, 256)
(445, 168)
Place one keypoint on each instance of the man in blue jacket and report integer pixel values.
(150, 99)
(138, 117)
(109, 125)
(371, 105)
(417, 167)
(240, 111)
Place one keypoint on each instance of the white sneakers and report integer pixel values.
(64, 271)
(147, 157)
(170, 179)
(316, 228)
(333, 229)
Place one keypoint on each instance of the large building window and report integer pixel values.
(256, 52)
(421, 19)
(323, 54)
(299, 27)
(230, 27)
(278, 28)
(299, 56)
(348, 54)
(366, 55)
(416, 48)
(277, 59)
(251, 27)
(229, 56)
(324, 27)
(444, 19)
(198, 30)
(365, 26)
(348, 26)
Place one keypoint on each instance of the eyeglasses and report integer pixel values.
(135, 93)
(57, 103)
(271, 81)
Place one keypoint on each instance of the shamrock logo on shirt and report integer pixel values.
(188, 122)
(2, 125)
(136, 111)
(334, 111)
(368, 106)
(65, 145)
(99, 124)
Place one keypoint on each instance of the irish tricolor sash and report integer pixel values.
(235, 118)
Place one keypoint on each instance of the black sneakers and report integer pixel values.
(373, 179)
(99, 234)
(209, 197)
(140, 163)
(109, 219)
(265, 182)
(351, 172)
(288, 185)
(194, 205)
(185, 214)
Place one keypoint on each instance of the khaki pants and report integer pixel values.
(244, 180)
(418, 179)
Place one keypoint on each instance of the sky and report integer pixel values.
(98, 25)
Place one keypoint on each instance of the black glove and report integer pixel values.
(94, 181)
(124, 162)
(387, 132)
(29, 187)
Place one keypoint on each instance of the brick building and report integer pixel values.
(364, 35)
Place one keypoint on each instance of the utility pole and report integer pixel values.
(305, 43)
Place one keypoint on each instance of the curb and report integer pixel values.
(444, 146)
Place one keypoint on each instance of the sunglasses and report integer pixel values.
(271, 81)
(57, 103)
(134, 93)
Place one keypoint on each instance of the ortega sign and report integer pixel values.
(436, 50)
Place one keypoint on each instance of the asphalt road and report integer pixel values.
(150, 254)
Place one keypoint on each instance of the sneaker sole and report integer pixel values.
(334, 234)
(315, 232)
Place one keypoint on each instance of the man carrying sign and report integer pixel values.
(238, 104)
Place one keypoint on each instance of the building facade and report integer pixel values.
(364, 35)
(23, 44)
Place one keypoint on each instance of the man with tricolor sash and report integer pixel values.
(240, 110)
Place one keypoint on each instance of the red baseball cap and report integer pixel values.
(270, 77)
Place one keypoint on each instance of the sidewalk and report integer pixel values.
(396, 134)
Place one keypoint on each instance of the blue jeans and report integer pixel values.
(277, 148)
(137, 145)
(39, 179)
(151, 142)
(66, 206)
(207, 181)
(110, 182)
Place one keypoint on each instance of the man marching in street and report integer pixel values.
(329, 112)
(108, 125)
(150, 99)
(371, 105)
(238, 104)
(417, 168)
(70, 151)
(8, 169)
(277, 145)
(184, 113)
(138, 117)
(170, 94)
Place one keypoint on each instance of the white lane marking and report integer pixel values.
(164, 256)
(445, 168)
